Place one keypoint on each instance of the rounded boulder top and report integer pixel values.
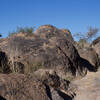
(49, 31)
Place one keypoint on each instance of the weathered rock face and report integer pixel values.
(4, 64)
(51, 78)
(50, 59)
(96, 45)
(49, 31)
(91, 55)
(21, 87)
(48, 48)
(86, 51)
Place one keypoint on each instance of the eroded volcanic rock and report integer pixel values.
(96, 45)
(21, 87)
(90, 55)
(48, 48)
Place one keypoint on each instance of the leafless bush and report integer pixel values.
(88, 36)
(91, 33)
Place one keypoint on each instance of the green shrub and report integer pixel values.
(36, 66)
(20, 29)
(81, 43)
(27, 30)
(11, 34)
(89, 36)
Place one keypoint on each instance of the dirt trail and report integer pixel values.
(88, 87)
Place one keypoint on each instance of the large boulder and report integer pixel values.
(48, 48)
(22, 87)
(96, 45)
(90, 55)
(87, 52)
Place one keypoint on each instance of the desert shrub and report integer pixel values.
(36, 66)
(81, 43)
(27, 30)
(88, 36)
(20, 29)
(92, 32)
(31, 67)
(11, 34)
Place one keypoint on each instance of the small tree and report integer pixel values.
(29, 30)
(92, 32)
(88, 36)
(25, 29)
(79, 36)
(20, 29)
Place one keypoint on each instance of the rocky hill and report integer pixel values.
(43, 65)
(95, 44)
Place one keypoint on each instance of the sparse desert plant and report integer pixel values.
(27, 30)
(31, 67)
(14, 52)
(20, 29)
(37, 66)
(92, 32)
(88, 36)
(11, 34)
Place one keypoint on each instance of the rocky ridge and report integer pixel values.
(42, 65)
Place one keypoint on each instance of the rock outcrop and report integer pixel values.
(96, 45)
(40, 66)
(90, 55)
(22, 87)
(48, 48)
